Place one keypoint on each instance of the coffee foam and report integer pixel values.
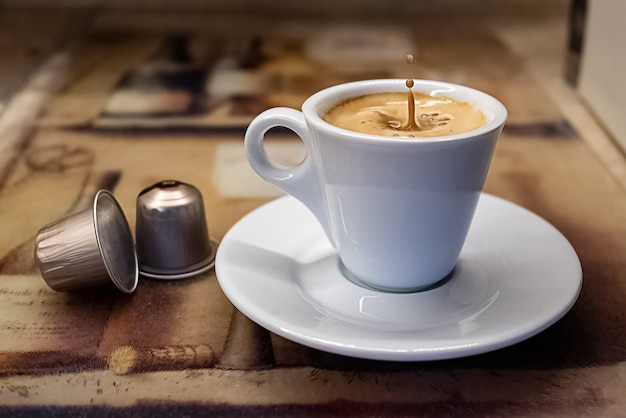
(386, 114)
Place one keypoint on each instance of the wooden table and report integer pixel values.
(195, 355)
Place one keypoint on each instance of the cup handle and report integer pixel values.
(300, 181)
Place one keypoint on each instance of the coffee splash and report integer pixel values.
(425, 121)
(396, 114)
(412, 123)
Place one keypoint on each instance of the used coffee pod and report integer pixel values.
(90, 248)
(171, 231)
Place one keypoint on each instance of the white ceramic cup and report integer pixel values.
(396, 209)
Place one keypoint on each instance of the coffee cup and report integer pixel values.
(397, 209)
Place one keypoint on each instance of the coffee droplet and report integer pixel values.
(410, 83)
(408, 58)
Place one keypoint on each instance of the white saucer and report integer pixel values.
(517, 275)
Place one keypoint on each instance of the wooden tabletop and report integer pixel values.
(114, 97)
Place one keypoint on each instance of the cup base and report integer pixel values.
(354, 279)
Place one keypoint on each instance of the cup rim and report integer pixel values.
(317, 104)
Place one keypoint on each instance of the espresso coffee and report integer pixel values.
(396, 115)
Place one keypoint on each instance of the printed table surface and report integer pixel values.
(123, 110)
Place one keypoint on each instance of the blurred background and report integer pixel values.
(322, 7)
(583, 36)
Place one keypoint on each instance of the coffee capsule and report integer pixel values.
(93, 247)
(171, 231)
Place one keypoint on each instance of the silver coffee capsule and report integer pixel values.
(90, 248)
(171, 232)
